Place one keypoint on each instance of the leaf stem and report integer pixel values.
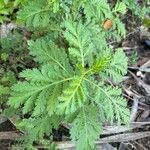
(102, 91)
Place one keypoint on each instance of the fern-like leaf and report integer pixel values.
(34, 94)
(80, 48)
(48, 73)
(86, 128)
(117, 68)
(98, 10)
(109, 99)
(103, 62)
(73, 96)
(46, 52)
(120, 7)
(35, 14)
(37, 127)
(4, 90)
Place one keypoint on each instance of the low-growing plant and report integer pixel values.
(138, 9)
(7, 8)
(7, 79)
(13, 42)
(75, 63)
(13, 54)
(133, 57)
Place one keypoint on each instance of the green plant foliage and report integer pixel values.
(75, 61)
(13, 42)
(48, 53)
(36, 13)
(7, 9)
(146, 22)
(4, 90)
(133, 57)
(80, 48)
(120, 7)
(86, 128)
(38, 93)
(139, 10)
(7, 79)
(117, 67)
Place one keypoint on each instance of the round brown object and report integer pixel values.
(107, 24)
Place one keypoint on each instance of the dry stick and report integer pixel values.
(134, 109)
(110, 139)
(68, 144)
(129, 48)
(141, 84)
(141, 123)
(108, 129)
(144, 68)
(141, 103)
(125, 137)
(118, 129)
(9, 135)
(140, 145)
(145, 65)
(129, 94)
(115, 129)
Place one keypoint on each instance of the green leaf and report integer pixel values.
(103, 62)
(73, 96)
(4, 90)
(146, 22)
(40, 104)
(53, 100)
(46, 52)
(16, 2)
(98, 10)
(78, 37)
(120, 7)
(86, 128)
(118, 66)
(111, 102)
(37, 127)
(35, 14)
(48, 73)
(120, 27)
(35, 92)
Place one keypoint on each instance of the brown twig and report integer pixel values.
(10, 135)
(134, 109)
(68, 144)
(111, 139)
